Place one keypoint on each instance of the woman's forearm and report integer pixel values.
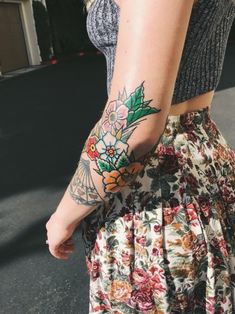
(115, 151)
(150, 44)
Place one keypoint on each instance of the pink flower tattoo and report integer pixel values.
(115, 116)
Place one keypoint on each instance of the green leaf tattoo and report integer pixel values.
(139, 113)
(138, 108)
(135, 99)
(104, 165)
(123, 160)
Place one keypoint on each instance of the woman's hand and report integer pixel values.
(59, 237)
(62, 223)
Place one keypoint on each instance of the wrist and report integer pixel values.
(65, 220)
(69, 212)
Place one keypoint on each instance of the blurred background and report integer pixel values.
(48, 68)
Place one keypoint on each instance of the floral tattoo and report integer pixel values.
(107, 146)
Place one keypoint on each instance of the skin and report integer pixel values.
(134, 115)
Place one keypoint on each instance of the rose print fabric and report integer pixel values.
(166, 243)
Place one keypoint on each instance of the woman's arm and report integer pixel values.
(149, 48)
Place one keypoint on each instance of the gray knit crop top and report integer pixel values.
(204, 49)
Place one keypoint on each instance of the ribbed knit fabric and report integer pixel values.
(204, 50)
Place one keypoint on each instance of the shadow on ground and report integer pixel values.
(45, 117)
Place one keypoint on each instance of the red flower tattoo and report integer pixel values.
(91, 148)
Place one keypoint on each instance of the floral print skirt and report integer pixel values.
(166, 243)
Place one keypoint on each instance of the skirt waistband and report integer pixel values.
(201, 116)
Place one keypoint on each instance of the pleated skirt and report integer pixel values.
(166, 242)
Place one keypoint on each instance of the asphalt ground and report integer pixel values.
(45, 117)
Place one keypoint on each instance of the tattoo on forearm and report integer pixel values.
(82, 187)
(107, 146)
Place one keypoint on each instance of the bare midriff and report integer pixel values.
(193, 104)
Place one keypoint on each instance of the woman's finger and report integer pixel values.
(67, 245)
(68, 242)
(66, 248)
(58, 254)
(64, 251)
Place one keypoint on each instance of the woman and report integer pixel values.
(155, 183)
